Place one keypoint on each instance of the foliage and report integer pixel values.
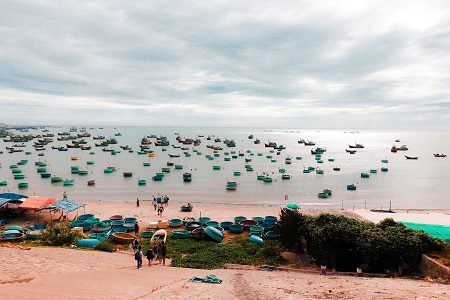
(346, 243)
(105, 246)
(59, 235)
(212, 255)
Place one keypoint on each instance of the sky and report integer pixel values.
(289, 64)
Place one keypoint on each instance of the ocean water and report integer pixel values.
(422, 183)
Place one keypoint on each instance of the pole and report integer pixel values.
(342, 208)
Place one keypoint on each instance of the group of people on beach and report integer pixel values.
(156, 252)
(158, 203)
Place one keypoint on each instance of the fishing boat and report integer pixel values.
(187, 177)
(309, 143)
(350, 151)
(68, 182)
(3, 183)
(402, 148)
(351, 187)
(91, 182)
(213, 233)
(365, 175)
(56, 179)
(231, 185)
(256, 142)
(411, 157)
(174, 155)
(127, 174)
(46, 175)
(357, 146)
(394, 149)
(267, 179)
(142, 181)
(439, 155)
(22, 185)
(286, 177)
(83, 172)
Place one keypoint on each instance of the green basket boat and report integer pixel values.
(181, 234)
(237, 173)
(13, 166)
(175, 223)
(16, 171)
(142, 182)
(19, 176)
(146, 164)
(41, 170)
(178, 167)
(165, 170)
(3, 183)
(90, 162)
(68, 182)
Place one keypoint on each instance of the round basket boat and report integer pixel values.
(214, 233)
(272, 235)
(76, 223)
(116, 217)
(93, 221)
(181, 234)
(85, 217)
(122, 238)
(256, 239)
(226, 224)
(212, 223)
(190, 226)
(248, 223)
(147, 234)
(266, 226)
(236, 228)
(129, 226)
(120, 228)
(130, 220)
(256, 230)
(175, 223)
(33, 235)
(98, 236)
(88, 243)
(258, 219)
(204, 220)
(117, 223)
(239, 218)
(270, 219)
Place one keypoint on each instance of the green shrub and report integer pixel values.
(105, 246)
(346, 243)
(59, 235)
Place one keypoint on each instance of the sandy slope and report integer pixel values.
(75, 274)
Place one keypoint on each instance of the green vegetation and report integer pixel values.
(346, 243)
(59, 235)
(105, 246)
(211, 255)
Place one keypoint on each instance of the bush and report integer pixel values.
(346, 243)
(59, 235)
(105, 246)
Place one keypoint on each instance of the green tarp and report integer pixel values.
(206, 279)
(441, 232)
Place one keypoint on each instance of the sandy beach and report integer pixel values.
(41, 273)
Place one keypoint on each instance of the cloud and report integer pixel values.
(222, 63)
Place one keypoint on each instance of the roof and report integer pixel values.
(12, 196)
(4, 201)
(35, 202)
(66, 205)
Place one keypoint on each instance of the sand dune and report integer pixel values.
(42, 273)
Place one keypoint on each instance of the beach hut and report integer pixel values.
(35, 202)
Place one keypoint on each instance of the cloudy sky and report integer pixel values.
(293, 64)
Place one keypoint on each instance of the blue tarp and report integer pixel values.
(4, 201)
(12, 196)
(66, 205)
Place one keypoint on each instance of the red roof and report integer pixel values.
(35, 202)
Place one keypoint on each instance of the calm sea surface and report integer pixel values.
(422, 183)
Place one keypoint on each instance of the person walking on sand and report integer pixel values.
(135, 244)
(160, 211)
(159, 253)
(138, 257)
(149, 255)
(64, 195)
(154, 202)
(136, 228)
(163, 253)
(137, 202)
(166, 200)
(156, 251)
